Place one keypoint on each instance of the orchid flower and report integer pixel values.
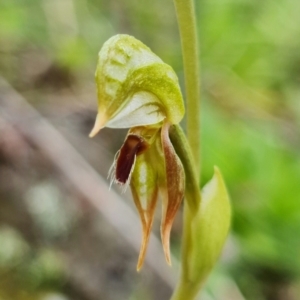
(137, 90)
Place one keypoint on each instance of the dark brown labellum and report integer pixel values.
(133, 146)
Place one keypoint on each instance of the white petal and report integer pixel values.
(142, 109)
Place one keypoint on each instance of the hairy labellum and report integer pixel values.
(133, 146)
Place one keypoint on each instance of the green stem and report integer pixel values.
(186, 289)
(187, 28)
(184, 292)
(183, 150)
(190, 158)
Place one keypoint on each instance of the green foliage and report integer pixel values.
(250, 58)
(262, 174)
(23, 272)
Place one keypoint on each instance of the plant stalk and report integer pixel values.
(188, 150)
(185, 289)
(183, 150)
(187, 28)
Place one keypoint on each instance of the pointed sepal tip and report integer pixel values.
(99, 124)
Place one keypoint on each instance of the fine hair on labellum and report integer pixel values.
(123, 166)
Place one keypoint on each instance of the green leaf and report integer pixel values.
(205, 235)
(210, 227)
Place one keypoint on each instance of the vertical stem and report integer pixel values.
(186, 288)
(187, 28)
(184, 292)
(183, 150)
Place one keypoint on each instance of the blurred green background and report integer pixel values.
(53, 246)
